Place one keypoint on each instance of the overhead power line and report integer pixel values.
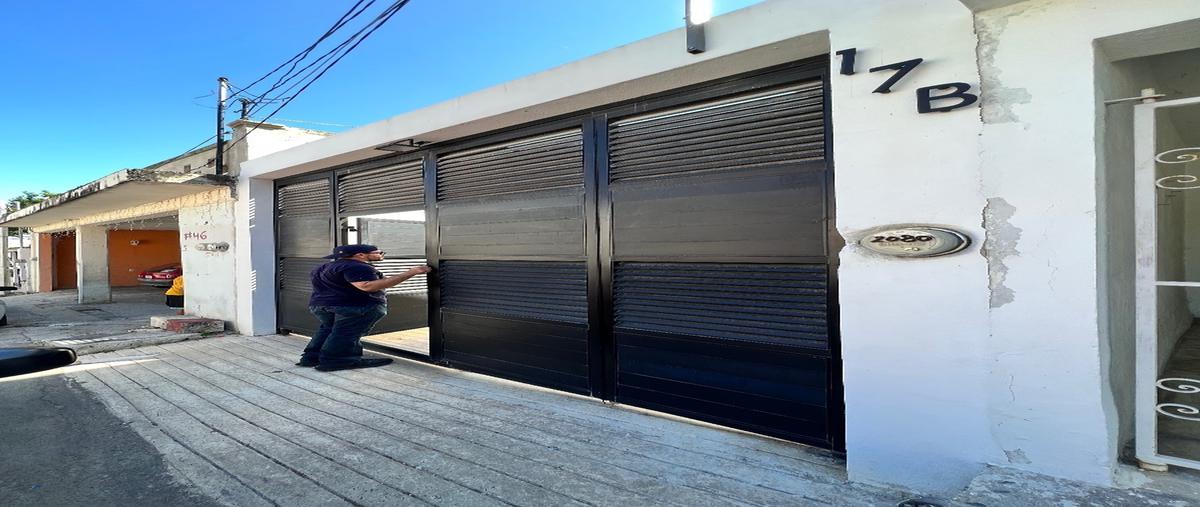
(349, 15)
(349, 45)
(300, 78)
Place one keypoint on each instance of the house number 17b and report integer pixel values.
(950, 96)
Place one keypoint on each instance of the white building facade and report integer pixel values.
(1019, 350)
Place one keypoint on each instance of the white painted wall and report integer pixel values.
(256, 261)
(209, 277)
(917, 351)
(1047, 392)
(253, 139)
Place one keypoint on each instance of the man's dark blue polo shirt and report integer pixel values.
(331, 284)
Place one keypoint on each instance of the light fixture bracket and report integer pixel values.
(695, 31)
(402, 146)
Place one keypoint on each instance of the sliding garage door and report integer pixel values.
(720, 279)
(304, 233)
(670, 253)
(512, 259)
(385, 207)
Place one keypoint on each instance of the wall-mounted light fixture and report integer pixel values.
(696, 14)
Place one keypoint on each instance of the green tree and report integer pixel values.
(25, 200)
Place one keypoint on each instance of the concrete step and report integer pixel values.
(187, 324)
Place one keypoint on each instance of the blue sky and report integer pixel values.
(94, 87)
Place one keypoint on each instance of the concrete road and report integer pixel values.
(57, 319)
(43, 317)
(62, 447)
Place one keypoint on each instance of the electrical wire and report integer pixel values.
(317, 65)
(315, 69)
(357, 39)
(201, 143)
(347, 17)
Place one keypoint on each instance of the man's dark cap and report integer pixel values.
(340, 252)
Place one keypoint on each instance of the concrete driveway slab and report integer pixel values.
(232, 419)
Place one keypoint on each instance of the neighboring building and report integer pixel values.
(17, 255)
(179, 211)
(690, 233)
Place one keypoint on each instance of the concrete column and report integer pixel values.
(255, 254)
(91, 264)
(42, 271)
(5, 272)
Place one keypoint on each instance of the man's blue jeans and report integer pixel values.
(337, 340)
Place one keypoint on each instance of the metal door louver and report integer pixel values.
(539, 290)
(768, 128)
(293, 273)
(303, 199)
(762, 303)
(392, 267)
(535, 163)
(383, 188)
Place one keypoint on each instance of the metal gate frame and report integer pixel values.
(1146, 380)
(323, 175)
(800, 71)
(597, 215)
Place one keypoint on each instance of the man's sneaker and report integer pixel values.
(307, 363)
(366, 362)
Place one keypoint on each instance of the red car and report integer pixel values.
(161, 276)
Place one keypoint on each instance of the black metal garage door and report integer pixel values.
(303, 234)
(720, 268)
(512, 259)
(671, 253)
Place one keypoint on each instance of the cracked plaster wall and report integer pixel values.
(209, 276)
(1048, 390)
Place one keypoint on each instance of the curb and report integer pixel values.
(122, 342)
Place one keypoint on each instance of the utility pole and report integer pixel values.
(224, 90)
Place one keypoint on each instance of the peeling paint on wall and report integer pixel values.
(1017, 457)
(996, 100)
(1000, 243)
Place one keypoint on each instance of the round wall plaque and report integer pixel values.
(915, 241)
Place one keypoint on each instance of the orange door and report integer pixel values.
(64, 262)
